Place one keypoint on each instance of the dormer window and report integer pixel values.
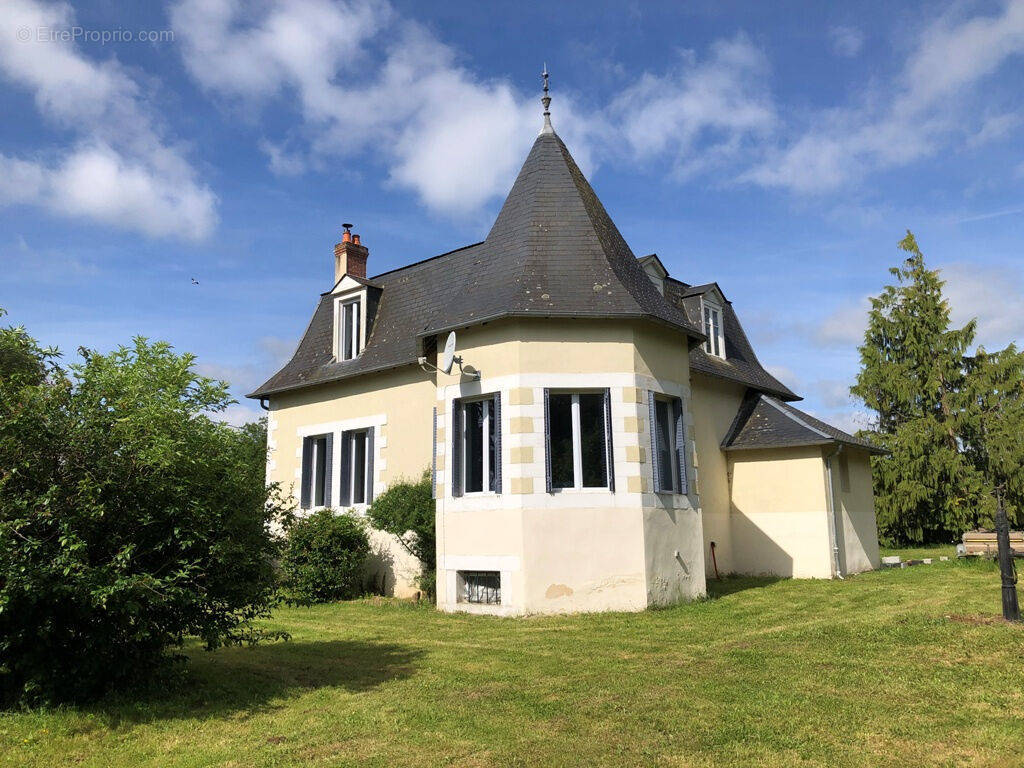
(715, 345)
(349, 342)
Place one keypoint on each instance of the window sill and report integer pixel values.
(587, 490)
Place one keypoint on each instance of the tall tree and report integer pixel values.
(912, 369)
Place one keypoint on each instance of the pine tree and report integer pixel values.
(991, 411)
(912, 374)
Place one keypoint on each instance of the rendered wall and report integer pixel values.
(780, 513)
(584, 550)
(858, 530)
(398, 405)
(715, 403)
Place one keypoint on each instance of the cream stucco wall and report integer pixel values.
(569, 550)
(858, 531)
(780, 513)
(715, 403)
(398, 405)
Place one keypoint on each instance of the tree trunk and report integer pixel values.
(1011, 610)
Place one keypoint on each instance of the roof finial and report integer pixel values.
(546, 101)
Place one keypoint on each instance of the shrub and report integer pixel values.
(406, 509)
(129, 519)
(325, 557)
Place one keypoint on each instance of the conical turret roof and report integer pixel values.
(554, 251)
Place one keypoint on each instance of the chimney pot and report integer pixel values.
(355, 239)
(347, 237)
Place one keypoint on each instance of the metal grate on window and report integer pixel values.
(481, 587)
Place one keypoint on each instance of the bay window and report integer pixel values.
(476, 434)
(668, 444)
(578, 440)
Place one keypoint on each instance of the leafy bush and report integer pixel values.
(325, 557)
(129, 519)
(407, 510)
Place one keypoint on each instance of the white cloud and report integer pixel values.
(702, 112)
(845, 326)
(239, 413)
(120, 170)
(785, 375)
(833, 393)
(846, 41)
(992, 295)
(931, 104)
(367, 81)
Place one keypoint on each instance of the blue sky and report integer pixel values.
(780, 149)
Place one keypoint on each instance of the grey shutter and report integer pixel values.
(307, 458)
(456, 444)
(547, 440)
(608, 448)
(345, 497)
(654, 441)
(369, 465)
(496, 417)
(433, 459)
(677, 411)
(329, 469)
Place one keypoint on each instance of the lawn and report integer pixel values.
(898, 667)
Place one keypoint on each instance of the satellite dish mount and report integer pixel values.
(449, 359)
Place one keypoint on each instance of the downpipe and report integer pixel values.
(833, 528)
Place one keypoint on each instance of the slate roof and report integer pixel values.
(553, 252)
(740, 364)
(764, 421)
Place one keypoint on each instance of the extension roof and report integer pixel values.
(552, 252)
(764, 421)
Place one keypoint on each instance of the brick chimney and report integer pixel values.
(349, 256)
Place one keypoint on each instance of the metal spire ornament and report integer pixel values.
(546, 101)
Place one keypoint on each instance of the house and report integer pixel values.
(608, 440)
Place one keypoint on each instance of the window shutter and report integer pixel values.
(608, 448)
(345, 497)
(547, 440)
(433, 458)
(497, 441)
(329, 469)
(456, 448)
(307, 480)
(369, 464)
(654, 441)
(677, 412)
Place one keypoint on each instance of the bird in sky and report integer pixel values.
(194, 281)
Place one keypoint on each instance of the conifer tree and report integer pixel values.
(912, 374)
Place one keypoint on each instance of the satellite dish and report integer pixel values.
(448, 358)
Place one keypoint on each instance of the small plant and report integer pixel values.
(406, 510)
(324, 558)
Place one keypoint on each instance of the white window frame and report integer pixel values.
(715, 345)
(357, 334)
(317, 479)
(350, 434)
(485, 425)
(577, 444)
(673, 446)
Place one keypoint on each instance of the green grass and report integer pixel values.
(890, 668)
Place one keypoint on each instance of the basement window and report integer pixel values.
(482, 587)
